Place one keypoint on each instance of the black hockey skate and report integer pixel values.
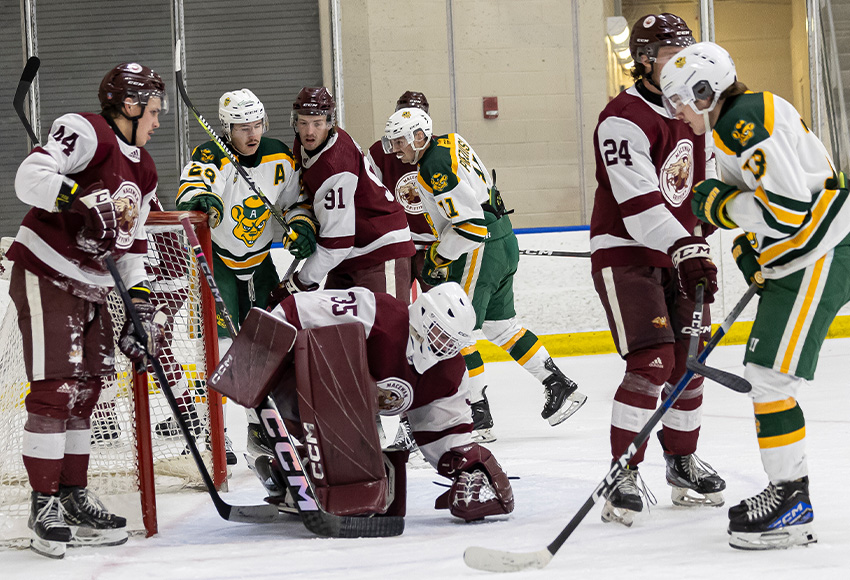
(265, 467)
(229, 454)
(624, 501)
(562, 396)
(90, 522)
(404, 442)
(779, 517)
(169, 429)
(50, 533)
(482, 421)
(694, 481)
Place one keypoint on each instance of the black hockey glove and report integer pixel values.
(153, 321)
(100, 219)
(287, 288)
(747, 260)
(692, 259)
(304, 243)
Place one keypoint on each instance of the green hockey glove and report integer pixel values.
(709, 202)
(746, 257)
(206, 202)
(303, 243)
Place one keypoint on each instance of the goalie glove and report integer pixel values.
(96, 207)
(480, 487)
(692, 260)
(435, 270)
(153, 321)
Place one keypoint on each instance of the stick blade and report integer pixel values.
(30, 69)
(253, 514)
(499, 561)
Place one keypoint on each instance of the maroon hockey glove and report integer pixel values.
(97, 209)
(287, 288)
(480, 487)
(153, 320)
(692, 259)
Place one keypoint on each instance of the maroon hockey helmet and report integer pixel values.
(656, 30)
(412, 99)
(131, 80)
(314, 101)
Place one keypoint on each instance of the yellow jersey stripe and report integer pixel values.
(802, 237)
(768, 112)
(275, 157)
(802, 317)
(775, 406)
(421, 182)
(185, 186)
(781, 214)
(239, 265)
(722, 146)
(480, 231)
(473, 263)
(782, 440)
(453, 150)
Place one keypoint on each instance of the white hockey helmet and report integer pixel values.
(441, 323)
(405, 123)
(241, 106)
(701, 71)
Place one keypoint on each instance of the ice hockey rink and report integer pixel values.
(555, 470)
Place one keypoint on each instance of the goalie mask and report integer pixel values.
(699, 72)
(441, 324)
(404, 124)
(241, 106)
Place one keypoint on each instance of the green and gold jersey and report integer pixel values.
(243, 238)
(789, 196)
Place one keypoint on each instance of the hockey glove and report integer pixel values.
(95, 206)
(304, 243)
(746, 257)
(287, 288)
(153, 321)
(480, 487)
(692, 259)
(709, 202)
(435, 270)
(208, 203)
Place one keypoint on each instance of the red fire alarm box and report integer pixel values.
(491, 107)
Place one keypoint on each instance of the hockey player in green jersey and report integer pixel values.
(242, 226)
(780, 186)
(477, 248)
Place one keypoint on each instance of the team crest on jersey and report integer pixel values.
(394, 396)
(407, 194)
(659, 322)
(127, 199)
(676, 176)
(743, 132)
(439, 182)
(250, 217)
(207, 156)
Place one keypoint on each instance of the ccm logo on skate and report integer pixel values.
(313, 451)
(799, 514)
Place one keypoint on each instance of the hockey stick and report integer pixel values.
(556, 253)
(27, 77)
(299, 485)
(504, 561)
(235, 513)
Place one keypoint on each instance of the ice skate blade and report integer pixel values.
(780, 539)
(576, 400)
(55, 550)
(483, 436)
(681, 496)
(611, 513)
(86, 536)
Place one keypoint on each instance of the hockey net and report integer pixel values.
(131, 460)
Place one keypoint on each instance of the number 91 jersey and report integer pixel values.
(646, 166)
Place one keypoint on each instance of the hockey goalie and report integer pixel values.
(359, 353)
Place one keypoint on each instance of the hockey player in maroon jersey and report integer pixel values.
(648, 255)
(413, 353)
(363, 238)
(89, 187)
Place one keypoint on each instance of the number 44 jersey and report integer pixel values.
(646, 165)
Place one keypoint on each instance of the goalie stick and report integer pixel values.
(556, 253)
(300, 486)
(235, 513)
(27, 77)
(503, 561)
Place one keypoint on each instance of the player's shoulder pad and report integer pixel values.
(271, 149)
(437, 169)
(747, 122)
(209, 153)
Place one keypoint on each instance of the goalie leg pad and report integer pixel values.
(337, 403)
(480, 488)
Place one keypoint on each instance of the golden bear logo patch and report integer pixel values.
(680, 62)
(439, 182)
(226, 101)
(207, 156)
(743, 132)
(406, 114)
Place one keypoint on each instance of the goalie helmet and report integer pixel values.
(241, 106)
(412, 99)
(313, 101)
(134, 81)
(405, 123)
(699, 72)
(441, 323)
(656, 30)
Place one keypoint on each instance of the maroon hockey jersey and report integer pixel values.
(83, 147)
(360, 222)
(646, 166)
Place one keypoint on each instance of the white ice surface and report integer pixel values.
(557, 470)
